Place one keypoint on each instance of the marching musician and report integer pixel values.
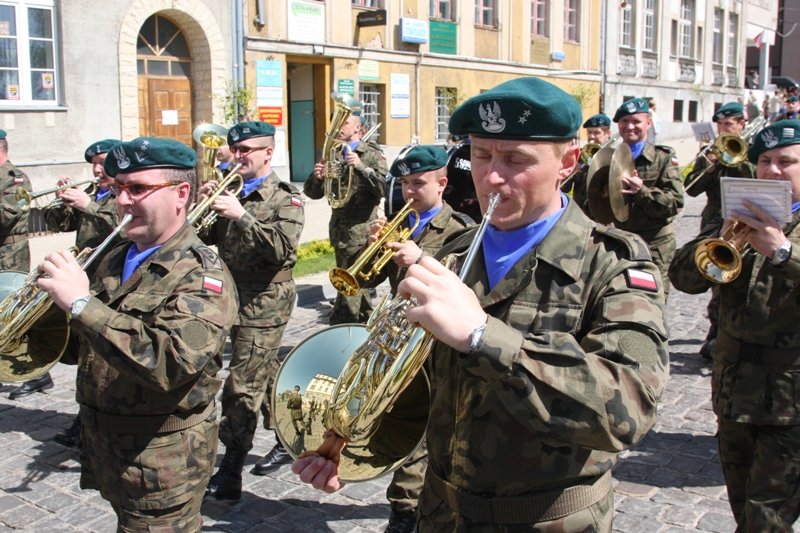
(151, 327)
(257, 234)
(550, 356)
(423, 174)
(349, 225)
(755, 392)
(792, 108)
(14, 252)
(704, 178)
(598, 131)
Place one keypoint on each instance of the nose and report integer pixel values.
(124, 198)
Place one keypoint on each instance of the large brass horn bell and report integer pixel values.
(719, 259)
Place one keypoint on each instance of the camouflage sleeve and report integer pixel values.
(313, 188)
(665, 199)
(102, 218)
(600, 392)
(700, 167)
(10, 211)
(372, 170)
(61, 218)
(683, 272)
(272, 230)
(169, 350)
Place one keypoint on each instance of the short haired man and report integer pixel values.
(257, 234)
(349, 224)
(151, 330)
(550, 356)
(598, 131)
(14, 252)
(792, 108)
(704, 178)
(754, 388)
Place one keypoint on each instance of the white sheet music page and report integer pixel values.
(774, 197)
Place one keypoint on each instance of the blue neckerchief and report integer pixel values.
(250, 185)
(134, 258)
(502, 249)
(424, 218)
(795, 207)
(224, 165)
(101, 193)
(637, 148)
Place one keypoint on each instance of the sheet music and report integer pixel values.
(773, 196)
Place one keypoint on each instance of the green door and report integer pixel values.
(301, 116)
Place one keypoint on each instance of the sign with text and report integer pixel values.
(443, 37)
(271, 115)
(413, 30)
(346, 86)
(368, 70)
(306, 21)
(375, 17)
(400, 96)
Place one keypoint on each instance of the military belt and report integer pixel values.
(144, 425)
(11, 239)
(735, 350)
(261, 276)
(530, 509)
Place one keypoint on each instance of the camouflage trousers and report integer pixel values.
(350, 309)
(663, 249)
(16, 256)
(252, 369)
(153, 482)
(406, 485)
(435, 515)
(762, 473)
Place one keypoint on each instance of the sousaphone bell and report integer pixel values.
(609, 165)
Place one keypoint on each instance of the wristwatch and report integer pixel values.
(476, 337)
(77, 306)
(782, 254)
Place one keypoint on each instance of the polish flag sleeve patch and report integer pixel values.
(212, 284)
(297, 202)
(639, 279)
(18, 181)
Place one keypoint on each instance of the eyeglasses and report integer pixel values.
(244, 150)
(137, 190)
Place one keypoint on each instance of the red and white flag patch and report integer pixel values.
(297, 202)
(212, 284)
(639, 279)
(675, 161)
(18, 181)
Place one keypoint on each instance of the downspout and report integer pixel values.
(603, 45)
(238, 46)
(417, 84)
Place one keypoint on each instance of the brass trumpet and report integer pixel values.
(365, 267)
(201, 216)
(719, 259)
(729, 149)
(26, 198)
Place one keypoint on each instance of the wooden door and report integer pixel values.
(168, 100)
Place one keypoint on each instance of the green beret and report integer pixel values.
(599, 120)
(248, 130)
(523, 108)
(148, 152)
(631, 107)
(781, 133)
(731, 109)
(792, 99)
(2, 134)
(99, 147)
(421, 158)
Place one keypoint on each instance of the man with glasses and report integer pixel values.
(151, 327)
(257, 234)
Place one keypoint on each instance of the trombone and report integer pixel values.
(729, 149)
(202, 217)
(26, 198)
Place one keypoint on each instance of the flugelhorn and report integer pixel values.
(34, 332)
(376, 256)
(719, 259)
(26, 198)
(202, 217)
(372, 401)
(730, 151)
(211, 137)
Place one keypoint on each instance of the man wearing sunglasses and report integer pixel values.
(256, 233)
(151, 330)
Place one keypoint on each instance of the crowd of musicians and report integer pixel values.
(549, 350)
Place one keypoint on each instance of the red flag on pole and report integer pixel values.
(757, 40)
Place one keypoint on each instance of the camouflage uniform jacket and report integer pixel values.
(438, 230)
(660, 199)
(153, 346)
(756, 356)
(709, 184)
(260, 245)
(349, 224)
(92, 225)
(295, 406)
(14, 252)
(569, 370)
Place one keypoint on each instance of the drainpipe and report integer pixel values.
(237, 48)
(603, 46)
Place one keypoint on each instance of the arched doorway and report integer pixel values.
(164, 65)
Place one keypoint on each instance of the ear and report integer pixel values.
(183, 189)
(568, 161)
(268, 154)
(442, 185)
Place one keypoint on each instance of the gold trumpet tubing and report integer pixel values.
(387, 253)
(202, 216)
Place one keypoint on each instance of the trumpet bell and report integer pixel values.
(210, 135)
(717, 260)
(315, 365)
(343, 281)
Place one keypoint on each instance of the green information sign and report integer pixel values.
(346, 86)
(443, 37)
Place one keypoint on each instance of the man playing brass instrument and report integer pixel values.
(755, 392)
(550, 356)
(151, 330)
(598, 131)
(350, 224)
(14, 252)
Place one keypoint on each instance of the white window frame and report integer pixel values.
(686, 30)
(486, 9)
(437, 6)
(23, 68)
(650, 33)
(733, 35)
(626, 27)
(572, 21)
(369, 96)
(368, 3)
(540, 18)
(444, 102)
(716, 50)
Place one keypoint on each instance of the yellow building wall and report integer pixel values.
(486, 45)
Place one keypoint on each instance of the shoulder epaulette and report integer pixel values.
(465, 219)
(635, 246)
(208, 258)
(665, 148)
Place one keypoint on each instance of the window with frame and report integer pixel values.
(368, 3)
(686, 29)
(650, 12)
(28, 53)
(677, 110)
(716, 52)
(445, 102)
(572, 20)
(626, 27)
(369, 96)
(539, 18)
(485, 14)
(442, 9)
(693, 110)
(733, 35)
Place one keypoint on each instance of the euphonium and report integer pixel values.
(372, 403)
(338, 177)
(34, 332)
(202, 217)
(729, 149)
(365, 267)
(720, 259)
(26, 198)
(211, 137)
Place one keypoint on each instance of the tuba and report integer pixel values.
(719, 259)
(338, 176)
(34, 332)
(25, 199)
(730, 151)
(368, 382)
(202, 217)
(211, 137)
(346, 280)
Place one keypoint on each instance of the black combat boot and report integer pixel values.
(226, 484)
(402, 522)
(40, 384)
(71, 436)
(276, 457)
